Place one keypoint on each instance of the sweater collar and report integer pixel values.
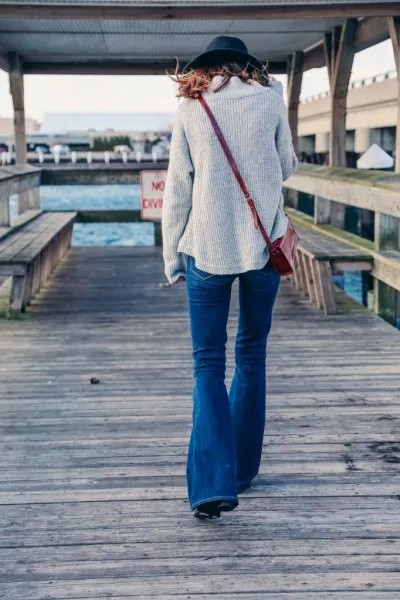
(234, 88)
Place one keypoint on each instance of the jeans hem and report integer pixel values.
(232, 498)
(244, 486)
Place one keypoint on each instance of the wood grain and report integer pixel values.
(92, 477)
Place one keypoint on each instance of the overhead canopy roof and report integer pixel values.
(95, 36)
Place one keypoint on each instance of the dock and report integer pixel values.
(96, 369)
(93, 497)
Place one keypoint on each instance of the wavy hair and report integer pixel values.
(196, 81)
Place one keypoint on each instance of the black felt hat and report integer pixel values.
(222, 49)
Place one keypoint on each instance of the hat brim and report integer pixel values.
(214, 57)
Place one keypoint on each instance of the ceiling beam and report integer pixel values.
(374, 8)
(370, 31)
(107, 67)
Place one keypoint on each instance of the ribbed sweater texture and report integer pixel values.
(204, 213)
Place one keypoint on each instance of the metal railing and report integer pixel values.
(357, 83)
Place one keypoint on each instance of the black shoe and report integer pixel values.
(227, 505)
(208, 510)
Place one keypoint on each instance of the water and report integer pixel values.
(351, 283)
(98, 197)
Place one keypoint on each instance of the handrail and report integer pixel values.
(370, 190)
(18, 179)
(333, 189)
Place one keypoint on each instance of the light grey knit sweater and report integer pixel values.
(205, 214)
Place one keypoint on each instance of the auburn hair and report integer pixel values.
(196, 81)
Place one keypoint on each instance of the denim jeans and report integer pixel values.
(227, 432)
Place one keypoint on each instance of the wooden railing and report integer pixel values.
(21, 180)
(334, 189)
(26, 181)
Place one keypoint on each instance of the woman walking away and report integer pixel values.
(211, 237)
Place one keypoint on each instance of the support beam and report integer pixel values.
(4, 211)
(394, 30)
(339, 51)
(295, 77)
(16, 77)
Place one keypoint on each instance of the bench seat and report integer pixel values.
(30, 253)
(318, 256)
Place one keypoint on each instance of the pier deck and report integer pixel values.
(92, 488)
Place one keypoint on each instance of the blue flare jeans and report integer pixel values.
(228, 429)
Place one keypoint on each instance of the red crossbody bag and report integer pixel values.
(282, 250)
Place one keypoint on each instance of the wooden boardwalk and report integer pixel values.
(92, 481)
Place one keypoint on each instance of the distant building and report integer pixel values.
(132, 124)
(372, 107)
(7, 126)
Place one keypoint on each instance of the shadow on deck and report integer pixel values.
(92, 476)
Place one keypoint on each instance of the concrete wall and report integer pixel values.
(370, 106)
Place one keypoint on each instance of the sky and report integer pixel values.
(97, 93)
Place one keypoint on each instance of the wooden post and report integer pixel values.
(394, 30)
(322, 210)
(33, 200)
(339, 54)
(16, 78)
(339, 51)
(4, 211)
(295, 76)
(157, 234)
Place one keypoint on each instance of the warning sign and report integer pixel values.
(152, 189)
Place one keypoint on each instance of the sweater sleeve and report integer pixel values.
(177, 200)
(284, 144)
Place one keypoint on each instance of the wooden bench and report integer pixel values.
(318, 257)
(29, 254)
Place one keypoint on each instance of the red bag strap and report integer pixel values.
(231, 160)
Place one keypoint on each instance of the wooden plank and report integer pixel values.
(4, 211)
(255, 583)
(311, 279)
(356, 265)
(13, 244)
(24, 244)
(387, 269)
(45, 237)
(319, 246)
(371, 8)
(19, 222)
(17, 294)
(302, 271)
(92, 482)
(18, 178)
(351, 194)
(328, 297)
